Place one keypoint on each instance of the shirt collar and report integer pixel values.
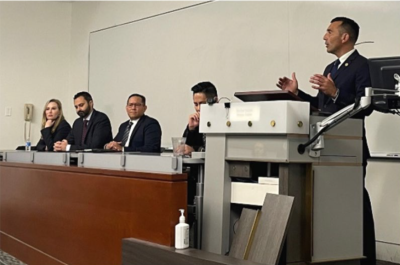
(135, 121)
(89, 116)
(345, 56)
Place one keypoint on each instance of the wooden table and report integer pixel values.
(69, 215)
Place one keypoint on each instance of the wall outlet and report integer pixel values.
(8, 111)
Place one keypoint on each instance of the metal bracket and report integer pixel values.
(80, 158)
(314, 154)
(64, 158)
(314, 149)
(240, 169)
(123, 160)
(174, 163)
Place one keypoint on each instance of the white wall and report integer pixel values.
(164, 56)
(239, 46)
(34, 63)
(44, 50)
(92, 16)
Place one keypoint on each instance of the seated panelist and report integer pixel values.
(54, 126)
(91, 130)
(140, 133)
(202, 92)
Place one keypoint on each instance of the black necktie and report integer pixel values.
(84, 132)
(335, 67)
(126, 133)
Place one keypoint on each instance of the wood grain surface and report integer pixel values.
(79, 216)
(271, 229)
(138, 252)
(242, 239)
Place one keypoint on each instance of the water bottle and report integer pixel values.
(27, 135)
(28, 146)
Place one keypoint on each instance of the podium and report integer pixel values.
(247, 140)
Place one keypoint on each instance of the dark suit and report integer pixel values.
(351, 79)
(194, 138)
(145, 137)
(98, 132)
(48, 138)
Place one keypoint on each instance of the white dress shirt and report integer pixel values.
(344, 57)
(134, 122)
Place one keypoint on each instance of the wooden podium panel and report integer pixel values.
(78, 216)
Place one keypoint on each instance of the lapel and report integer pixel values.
(139, 123)
(78, 131)
(345, 64)
(342, 70)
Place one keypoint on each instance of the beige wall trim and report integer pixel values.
(337, 164)
(328, 136)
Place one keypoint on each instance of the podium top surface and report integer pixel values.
(269, 95)
(266, 95)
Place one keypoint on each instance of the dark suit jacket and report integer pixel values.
(98, 133)
(146, 136)
(194, 138)
(351, 79)
(48, 139)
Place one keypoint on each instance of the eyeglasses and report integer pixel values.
(134, 105)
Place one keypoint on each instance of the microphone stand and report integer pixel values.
(316, 141)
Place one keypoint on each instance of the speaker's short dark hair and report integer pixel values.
(137, 95)
(349, 26)
(207, 88)
(83, 94)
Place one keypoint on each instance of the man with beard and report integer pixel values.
(91, 130)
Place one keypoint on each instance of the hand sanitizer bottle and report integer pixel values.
(182, 232)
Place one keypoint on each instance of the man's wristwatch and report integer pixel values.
(335, 97)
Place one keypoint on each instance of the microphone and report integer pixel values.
(364, 42)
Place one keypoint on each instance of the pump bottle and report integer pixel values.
(182, 232)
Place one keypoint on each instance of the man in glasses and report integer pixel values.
(140, 133)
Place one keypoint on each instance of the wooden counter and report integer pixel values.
(69, 215)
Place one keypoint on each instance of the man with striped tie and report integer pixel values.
(140, 133)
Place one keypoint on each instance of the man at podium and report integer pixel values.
(342, 82)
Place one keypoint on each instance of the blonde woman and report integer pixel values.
(54, 126)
